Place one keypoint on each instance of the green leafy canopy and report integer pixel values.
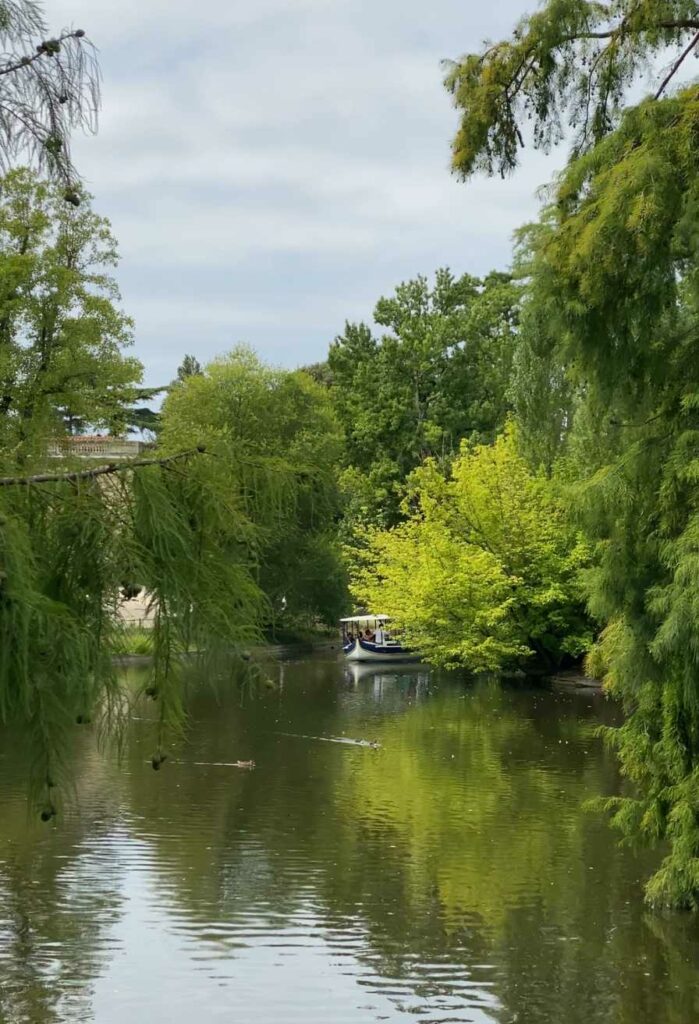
(485, 571)
(568, 66)
(610, 337)
(438, 374)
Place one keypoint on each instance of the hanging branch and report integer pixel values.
(676, 66)
(88, 474)
(48, 87)
(571, 61)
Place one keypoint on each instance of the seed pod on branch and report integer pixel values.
(40, 98)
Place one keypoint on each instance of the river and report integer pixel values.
(450, 874)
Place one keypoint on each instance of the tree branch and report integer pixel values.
(676, 66)
(686, 23)
(88, 474)
(41, 51)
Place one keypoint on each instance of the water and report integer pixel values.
(449, 876)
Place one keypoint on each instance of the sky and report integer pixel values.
(272, 168)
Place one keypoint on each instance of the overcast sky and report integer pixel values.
(271, 168)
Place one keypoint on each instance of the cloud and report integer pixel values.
(271, 169)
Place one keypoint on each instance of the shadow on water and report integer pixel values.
(449, 875)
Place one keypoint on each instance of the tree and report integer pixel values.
(189, 367)
(197, 530)
(48, 87)
(543, 394)
(217, 533)
(142, 418)
(622, 240)
(273, 433)
(614, 278)
(62, 332)
(485, 572)
(68, 542)
(438, 375)
(320, 372)
(573, 61)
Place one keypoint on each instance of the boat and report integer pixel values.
(383, 648)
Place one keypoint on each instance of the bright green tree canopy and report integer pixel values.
(485, 571)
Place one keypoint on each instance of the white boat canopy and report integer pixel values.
(367, 618)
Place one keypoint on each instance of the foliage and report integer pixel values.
(320, 372)
(274, 439)
(438, 375)
(135, 640)
(615, 278)
(61, 329)
(66, 549)
(573, 61)
(142, 418)
(544, 397)
(484, 573)
(48, 87)
(233, 514)
(611, 320)
(189, 367)
(220, 538)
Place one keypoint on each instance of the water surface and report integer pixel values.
(449, 876)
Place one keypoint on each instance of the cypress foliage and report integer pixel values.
(615, 275)
(610, 340)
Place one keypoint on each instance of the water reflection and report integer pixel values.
(448, 876)
(410, 681)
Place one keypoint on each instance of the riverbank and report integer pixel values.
(138, 651)
(137, 645)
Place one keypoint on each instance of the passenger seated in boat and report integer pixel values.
(369, 636)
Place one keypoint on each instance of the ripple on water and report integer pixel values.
(448, 877)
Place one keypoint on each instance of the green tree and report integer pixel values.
(62, 332)
(274, 427)
(142, 418)
(72, 535)
(485, 571)
(615, 281)
(68, 542)
(623, 242)
(438, 374)
(572, 62)
(543, 394)
(189, 367)
(320, 372)
(232, 513)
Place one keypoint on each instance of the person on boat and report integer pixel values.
(369, 636)
(379, 636)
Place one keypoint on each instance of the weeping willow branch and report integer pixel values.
(62, 566)
(89, 474)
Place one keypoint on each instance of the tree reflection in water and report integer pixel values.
(449, 875)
